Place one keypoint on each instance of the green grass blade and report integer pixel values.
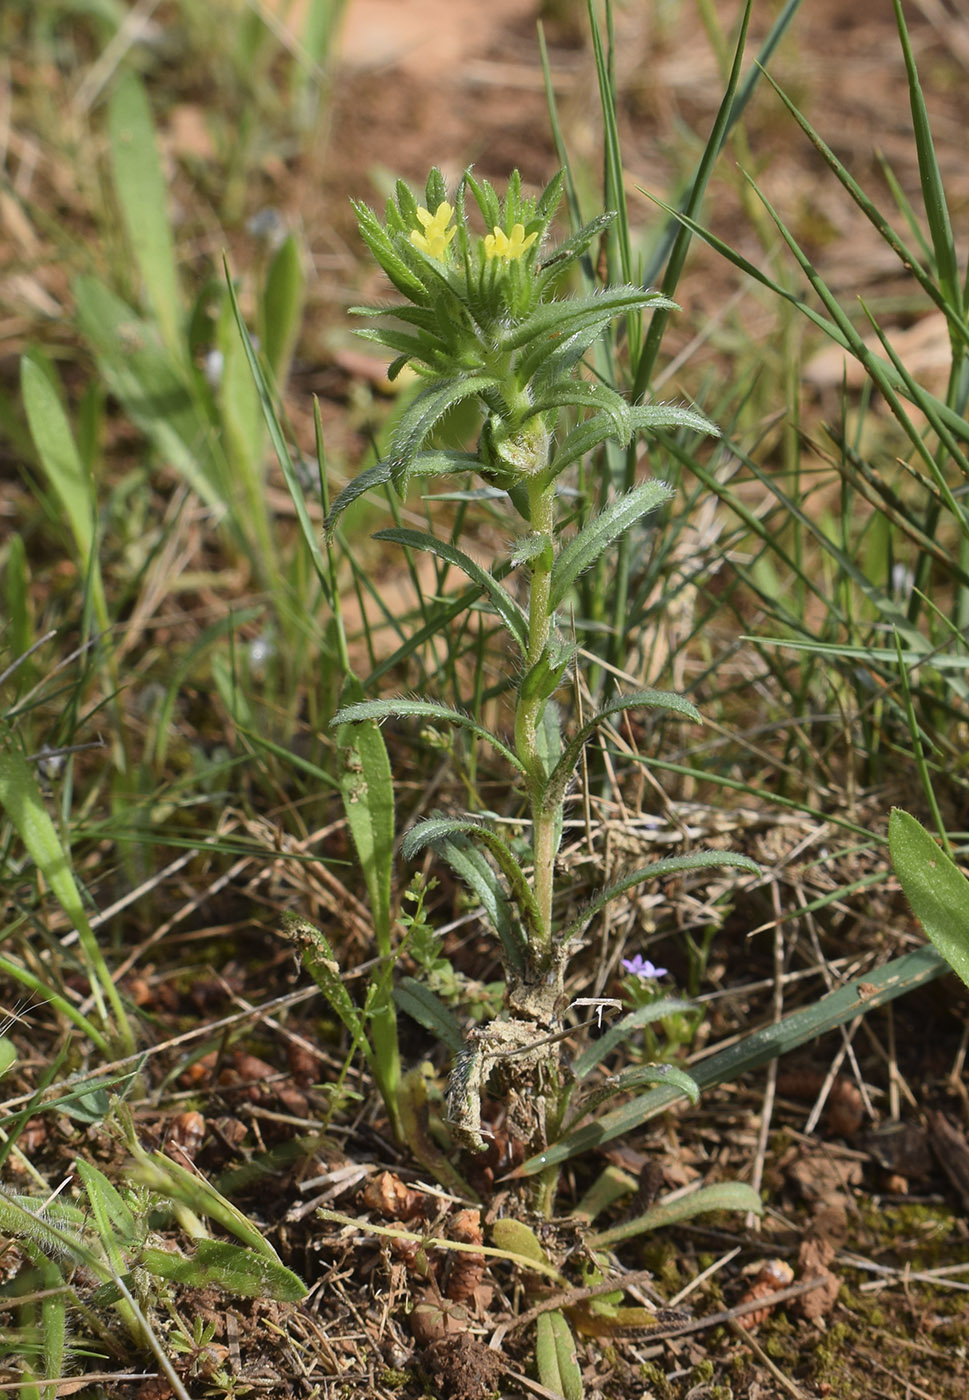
(307, 529)
(681, 242)
(930, 178)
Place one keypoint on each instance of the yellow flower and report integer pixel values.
(436, 236)
(499, 245)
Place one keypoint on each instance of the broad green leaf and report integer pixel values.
(563, 772)
(367, 787)
(8, 1054)
(365, 710)
(425, 1007)
(877, 987)
(219, 1264)
(518, 1238)
(555, 1357)
(595, 538)
(726, 1195)
(143, 197)
(934, 886)
(699, 860)
(154, 389)
(505, 606)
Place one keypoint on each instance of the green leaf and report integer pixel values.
(153, 387)
(699, 860)
(597, 1050)
(367, 787)
(471, 865)
(934, 886)
(726, 1195)
(439, 829)
(21, 799)
(429, 1011)
(561, 775)
(634, 1077)
(595, 538)
(114, 1220)
(882, 985)
(421, 417)
(307, 529)
(61, 461)
(930, 178)
(518, 1238)
(8, 1055)
(319, 961)
(558, 1366)
(282, 305)
(505, 606)
(143, 196)
(219, 1264)
(657, 417)
(421, 709)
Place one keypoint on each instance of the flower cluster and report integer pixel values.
(481, 321)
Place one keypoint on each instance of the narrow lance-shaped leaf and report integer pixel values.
(642, 699)
(424, 413)
(725, 1195)
(425, 1007)
(585, 548)
(894, 979)
(597, 1050)
(143, 196)
(505, 606)
(421, 709)
(634, 1077)
(367, 786)
(699, 860)
(435, 829)
(558, 1367)
(471, 865)
(20, 798)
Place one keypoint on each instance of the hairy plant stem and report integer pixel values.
(542, 503)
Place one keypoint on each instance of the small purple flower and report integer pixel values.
(642, 967)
